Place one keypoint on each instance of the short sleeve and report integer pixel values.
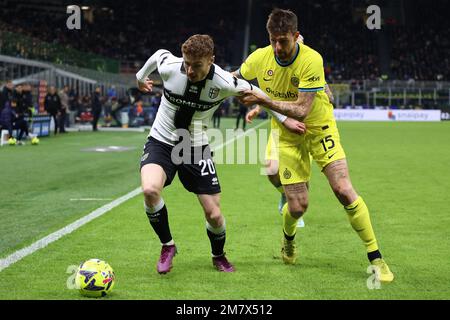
(153, 63)
(312, 78)
(248, 68)
(236, 86)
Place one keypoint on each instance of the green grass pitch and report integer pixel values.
(400, 169)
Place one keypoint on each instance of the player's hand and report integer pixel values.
(251, 97)
(294, 126)
(252, 114)
(146, 86)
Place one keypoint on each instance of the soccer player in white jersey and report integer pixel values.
(194, 87)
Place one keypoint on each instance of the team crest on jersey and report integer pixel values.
(287, 174)
(295, 81)
(269, 75)
(214, 93)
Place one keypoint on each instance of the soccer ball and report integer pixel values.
(95, 278)
(12, 141)
(35, 141)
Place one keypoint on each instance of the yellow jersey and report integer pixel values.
(282, 81)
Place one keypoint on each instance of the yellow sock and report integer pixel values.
(289, 222)
(358, 215)
(280, 189)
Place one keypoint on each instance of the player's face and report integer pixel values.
(197, 68)
(284, 44)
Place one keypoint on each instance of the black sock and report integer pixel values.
(160, 222)
(374, 255)
(289, 238)
(217, 242)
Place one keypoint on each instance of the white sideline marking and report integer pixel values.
(90, 199)
(42, 243)
(239, 136)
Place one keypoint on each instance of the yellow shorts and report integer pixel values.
(294, 160)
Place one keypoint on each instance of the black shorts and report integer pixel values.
(197, 173)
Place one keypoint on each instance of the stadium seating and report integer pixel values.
(417, 47)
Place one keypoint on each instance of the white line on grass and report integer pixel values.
(239, 136)
(22, 253)
(90, 199)
(42, 243)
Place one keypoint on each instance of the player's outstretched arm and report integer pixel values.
(297, 110)
(242, 85)
(291, 124)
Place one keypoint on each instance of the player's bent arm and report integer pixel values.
(280, 117)
(298, 109)
(150, 66)
(143, 82)
(242, 84)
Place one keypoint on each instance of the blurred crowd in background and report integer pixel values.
(413, 45)
(417, 48)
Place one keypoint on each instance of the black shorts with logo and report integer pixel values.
(196, 170)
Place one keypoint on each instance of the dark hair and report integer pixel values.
(282, 21)
(198, 45)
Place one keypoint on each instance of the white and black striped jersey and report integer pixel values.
(187, 105)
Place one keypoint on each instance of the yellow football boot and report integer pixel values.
(385, 275)
(289, 251)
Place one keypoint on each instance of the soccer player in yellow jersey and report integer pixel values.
(272, 164)
(292, 76)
